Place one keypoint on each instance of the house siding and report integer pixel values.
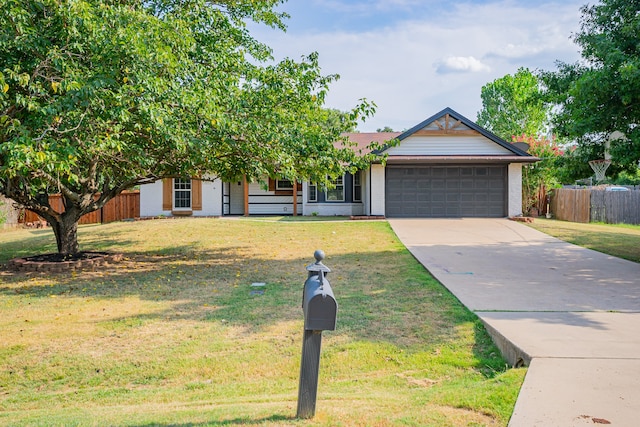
(261, 201)
(377, 190)
(447, 146)
(211, 196)
(151, 200)
(334, 209)
(515, 189)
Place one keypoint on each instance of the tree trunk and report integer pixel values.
(66, 232)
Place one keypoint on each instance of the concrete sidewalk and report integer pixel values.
(571, 314)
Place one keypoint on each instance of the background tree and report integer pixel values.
(97, 96)
(512, 105)
(601, 93)
(539, 177)
(385, 129)
(514, 110)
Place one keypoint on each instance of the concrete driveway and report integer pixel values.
(571, 314)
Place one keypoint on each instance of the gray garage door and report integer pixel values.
(445, 191)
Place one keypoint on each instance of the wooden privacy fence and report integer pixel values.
(615, 207)
(596, 205)
(571, 205)
(125, 205)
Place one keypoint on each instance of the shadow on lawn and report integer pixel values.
(234, 422)
(45, 241)
(382, 296)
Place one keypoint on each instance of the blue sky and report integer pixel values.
(415, 57)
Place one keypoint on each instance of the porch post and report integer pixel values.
(294, 192)
(245, 185)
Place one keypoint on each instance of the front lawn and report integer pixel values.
(618, 240)
(174, 335)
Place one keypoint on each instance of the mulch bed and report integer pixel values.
(58, 263)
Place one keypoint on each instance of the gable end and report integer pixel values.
(450, 123)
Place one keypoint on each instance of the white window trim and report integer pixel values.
(312, 189)
(335, 187)
(190, 190)
(353, 189)
(278, 188)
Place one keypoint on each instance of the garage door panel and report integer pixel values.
(480, 185)
(438, 197)
(438, 184)
(452, 184)
(446, 191)
(471, 211)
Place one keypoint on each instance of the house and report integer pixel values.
(445, 166)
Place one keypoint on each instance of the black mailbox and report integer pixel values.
(318, 304)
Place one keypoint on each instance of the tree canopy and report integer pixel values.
(600, 94)
(97, 96)
(512, 105)
(385, 129)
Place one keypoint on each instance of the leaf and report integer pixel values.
(5, 88)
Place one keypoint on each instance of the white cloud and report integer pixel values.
(460, 64)
(414, 67)
(370, 5)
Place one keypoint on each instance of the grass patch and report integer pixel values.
(173, 335)
(620, 240)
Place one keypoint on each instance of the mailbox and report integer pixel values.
(318, 304)
(320, 310)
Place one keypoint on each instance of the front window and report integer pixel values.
(182, 193)
(312, 192)
(284, 184)
(337, 193)
(357, 187)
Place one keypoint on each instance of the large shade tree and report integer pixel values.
(600, 94)
(97, 96)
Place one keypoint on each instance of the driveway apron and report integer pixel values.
(571, 314)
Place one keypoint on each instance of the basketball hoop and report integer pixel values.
(599, 167)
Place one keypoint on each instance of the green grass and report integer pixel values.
(619, 240)
(173, 336)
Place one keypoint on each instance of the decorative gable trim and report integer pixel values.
(445, 126)
(450, 123)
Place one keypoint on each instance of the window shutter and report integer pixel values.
(299, 186)
(196, 194)
(272, 184)
(167, 191)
